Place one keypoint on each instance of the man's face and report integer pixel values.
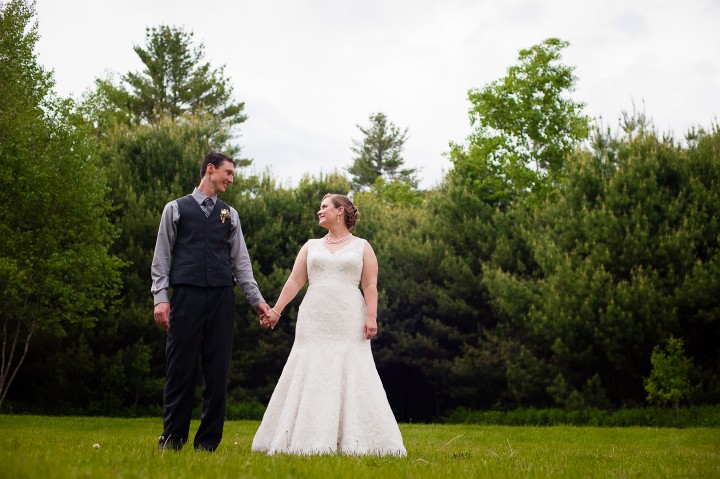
(221, 176)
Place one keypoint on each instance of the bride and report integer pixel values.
(329, 397)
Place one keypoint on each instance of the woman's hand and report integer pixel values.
(370, 327)
(270, 319)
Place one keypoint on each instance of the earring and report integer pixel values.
(338, 218)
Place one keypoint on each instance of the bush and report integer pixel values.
(695, 416)
(244, 410)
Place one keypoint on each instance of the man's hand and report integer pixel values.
(269, 317)
(262, 310)
(162, 315)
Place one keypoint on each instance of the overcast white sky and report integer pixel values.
(309, 71)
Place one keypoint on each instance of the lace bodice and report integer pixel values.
(344, 265)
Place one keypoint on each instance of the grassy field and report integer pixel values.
(50, 447)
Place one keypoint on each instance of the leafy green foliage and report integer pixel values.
(55, 268)
(525, 125)
(615, 247)
(542, 272)
(396, 192)
(123, 355)
(478, 218)
(152, 131)
(669, 378)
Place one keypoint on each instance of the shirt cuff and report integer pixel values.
(161, 296)
(257, 302)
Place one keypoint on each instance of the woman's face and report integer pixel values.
(328, 213)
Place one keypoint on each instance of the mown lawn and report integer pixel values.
(49, 447)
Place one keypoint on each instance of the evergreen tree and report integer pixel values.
(379, 154)
(176, 81)
(619, 249)
(524, 126)
(152, 131)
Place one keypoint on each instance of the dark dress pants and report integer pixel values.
(201, 326)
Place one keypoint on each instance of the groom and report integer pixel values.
(201, 253)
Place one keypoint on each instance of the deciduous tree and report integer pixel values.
(55, 267)
(669, 378)
(525, 124)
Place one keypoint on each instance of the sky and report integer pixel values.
(311, 71)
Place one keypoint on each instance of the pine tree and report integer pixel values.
(379, 154)
(176, 81)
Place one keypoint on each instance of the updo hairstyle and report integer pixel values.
(352, 215)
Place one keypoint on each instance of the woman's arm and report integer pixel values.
(368, 282)
(295, 282)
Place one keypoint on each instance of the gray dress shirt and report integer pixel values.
(239, 257)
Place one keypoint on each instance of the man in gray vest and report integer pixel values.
(201, 253)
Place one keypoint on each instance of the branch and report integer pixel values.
(5, 386)
(4, 346)
(6, 369)
(4, 382)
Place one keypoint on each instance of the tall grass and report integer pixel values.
(60, 447)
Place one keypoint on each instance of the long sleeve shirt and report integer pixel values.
(239, 256)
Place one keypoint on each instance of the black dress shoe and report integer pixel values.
(206, 447)
(171, 443)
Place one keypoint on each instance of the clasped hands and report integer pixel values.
(268, 316)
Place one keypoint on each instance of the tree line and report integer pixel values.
(554, 260)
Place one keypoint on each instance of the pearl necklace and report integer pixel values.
(332, 241)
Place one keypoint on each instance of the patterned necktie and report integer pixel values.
(207, 206)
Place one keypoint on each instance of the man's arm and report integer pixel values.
(162, 258)
(241, 265)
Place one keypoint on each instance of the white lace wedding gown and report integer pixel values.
(329, 397)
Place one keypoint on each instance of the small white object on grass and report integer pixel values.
(96, 446)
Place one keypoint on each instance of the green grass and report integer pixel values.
(49, 447)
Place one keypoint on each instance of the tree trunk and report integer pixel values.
(6, 377)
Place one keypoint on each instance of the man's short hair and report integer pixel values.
(216, 158)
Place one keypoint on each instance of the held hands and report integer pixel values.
(269, 317)
(262, 310)
(371, 328)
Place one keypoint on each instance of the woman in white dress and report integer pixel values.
(329, 398)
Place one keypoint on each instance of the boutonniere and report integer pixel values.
(224, 214)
